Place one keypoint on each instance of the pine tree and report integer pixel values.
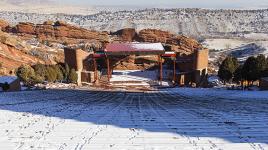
(261, 65)
(40, 72)
(227, 69)
(238, 74)
(66, 72)
(72, 78)
(51, 74)
(58, 72)
(250, 69)
(26, 74)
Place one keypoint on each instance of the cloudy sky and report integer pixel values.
(176, 3)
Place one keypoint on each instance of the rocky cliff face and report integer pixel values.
(14, 52)
(172, 42)
(125, 35)
(62, 32)
(3, 25)
(58, 31)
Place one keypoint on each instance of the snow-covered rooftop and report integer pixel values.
(134, 48)
(7, 79)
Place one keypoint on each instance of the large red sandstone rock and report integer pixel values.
(153, 35)
(25, 28)
(3, 25)
(60, 31)
(126, 35)
(178, 43)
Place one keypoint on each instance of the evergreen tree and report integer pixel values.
(72, 78)
(66, 72)
(51, 74)
(58, 72)
(40, 72)
(27, 75)
(261, 65)
(238, 74)
(265, 73)
(227, 69)
(250, 69)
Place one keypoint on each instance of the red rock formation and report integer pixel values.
(178, 43)
(153, 36)
(14, 52)
(61, 32)
(11, 57)
(24, 28)
(3, 25)
(58, 31)
(126, 35)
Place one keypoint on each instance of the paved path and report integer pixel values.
(109, 120)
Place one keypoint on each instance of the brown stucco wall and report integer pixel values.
(201, 59)
(76, 58)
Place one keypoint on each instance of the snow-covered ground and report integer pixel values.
(170, 119)
(137, 77)
(230, 44)
(133, 75)
(240, 48)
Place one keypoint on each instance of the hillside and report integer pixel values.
(44, 43)
(191, 22)
(14, 52)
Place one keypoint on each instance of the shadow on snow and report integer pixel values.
(232, 120)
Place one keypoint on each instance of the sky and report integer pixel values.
(175, 3)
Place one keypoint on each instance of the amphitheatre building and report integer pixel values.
(136, 64)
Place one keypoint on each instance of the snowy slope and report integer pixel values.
(240, 48)
(169, 119)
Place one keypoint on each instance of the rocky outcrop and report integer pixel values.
(3, 25)
(153, 36)
(24, 28)
(59, 31)
(178, 43)
(14, 52)
(126, 35)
